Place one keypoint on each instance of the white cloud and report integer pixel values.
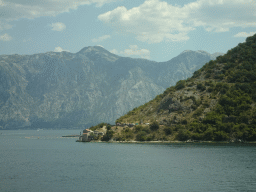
(134, 51)
(58, 26)
(221, 15)
(100, 46)
(5, 37)
(244, 34)
(151, 22)
(155, 21)
(102, 38)
(59, 49)
(114, 51)
(15, 9)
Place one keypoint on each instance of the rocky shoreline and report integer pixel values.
(173, 142)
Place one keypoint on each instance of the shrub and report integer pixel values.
(178, 127)
(146, 129)
(138, 128)
(168, 130)
(220, 136)
(154, 126)
(196, 73)
(208, 135)
(196, 136)
(101, 125)
(209, 83)
(184, 122)
(200, 87)
(108, 135)
(180, 84)
(149, 138)
(193, 98)
(108, 127)
(207, 75)
(183, 135)
(198, 112)
(129, 135)
(212, 118)
(220, 76)
(191, 84)
(206, 104)
(141, 136)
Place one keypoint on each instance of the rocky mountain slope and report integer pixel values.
(65, 89)
(216, 103)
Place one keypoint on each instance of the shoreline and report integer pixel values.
(171, 142)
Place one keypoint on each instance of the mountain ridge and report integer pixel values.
(63, 89)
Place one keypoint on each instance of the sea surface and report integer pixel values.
(32, 160)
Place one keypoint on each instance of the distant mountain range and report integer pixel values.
(57, 90)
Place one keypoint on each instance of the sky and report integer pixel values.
(157, 30)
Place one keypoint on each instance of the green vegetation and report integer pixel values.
(93, 128)
(108, 135)
(180, 84)
(154, 126)
(216, 104)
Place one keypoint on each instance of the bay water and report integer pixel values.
(32, 160)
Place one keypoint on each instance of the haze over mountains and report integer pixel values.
(56, 90)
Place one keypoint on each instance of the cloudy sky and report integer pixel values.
(153, 29)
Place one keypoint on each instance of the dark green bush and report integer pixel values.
(141, 136)
(154, 126)
(184, 122)
(198, 112)
(221, 136)
(183, 135)
(108, 127)
(180, 84)
(168, 130)
(108, 135)
(146, 129)
(138, 128)
(200, 87)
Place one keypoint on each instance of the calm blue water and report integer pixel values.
(52, 163)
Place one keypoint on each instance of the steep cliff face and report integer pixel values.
(85, 88)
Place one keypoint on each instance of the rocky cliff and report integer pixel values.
(55, 90)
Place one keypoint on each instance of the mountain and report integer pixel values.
(56, 90)
(218, 103)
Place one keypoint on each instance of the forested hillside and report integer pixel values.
(216, 103)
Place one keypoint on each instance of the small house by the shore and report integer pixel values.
(88, 135)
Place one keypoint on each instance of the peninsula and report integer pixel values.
(218, 103)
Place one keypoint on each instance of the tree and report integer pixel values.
(108, 127)
(201, 87)
(141, 136)
(180, 84)
(108, 135)
(168, 130)
(183, 135)
(154, 126)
